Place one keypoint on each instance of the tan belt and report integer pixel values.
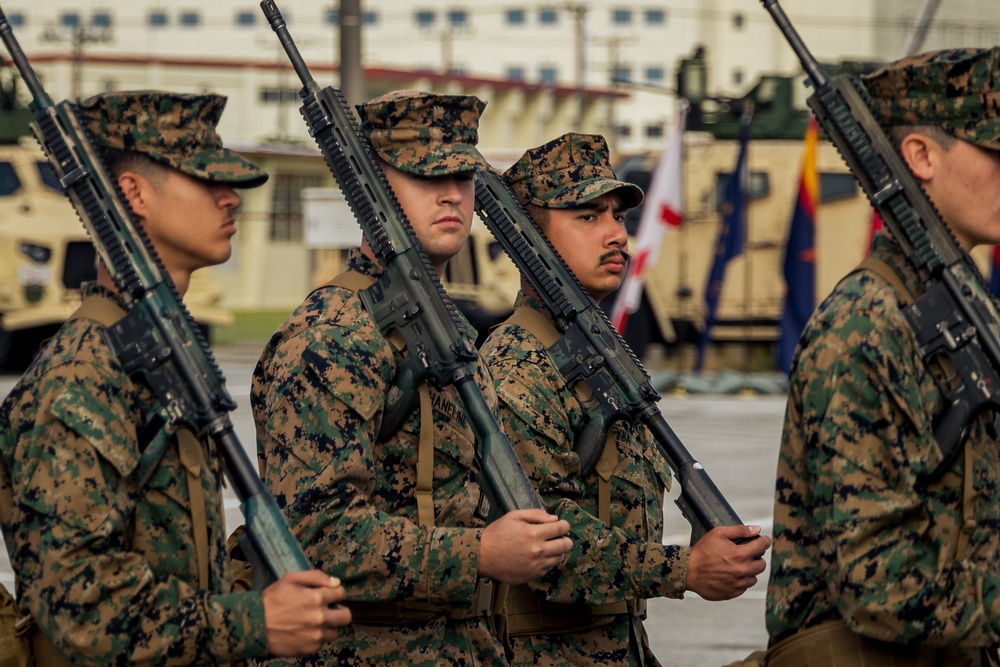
(416, 613)
(833, 644)
(527, 613)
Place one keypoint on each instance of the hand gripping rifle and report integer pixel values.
(592, 351)
(954, 318)
(156, 342)
(408, 298)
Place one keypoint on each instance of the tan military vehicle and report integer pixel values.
(45, 255)
(753, 290)
(753, 293)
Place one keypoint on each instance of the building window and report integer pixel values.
(286, 207)
(515, 17)
(277, 96)
(758, 186)
(101, 20)
(47, 173)
(834, 187)
(333, 17)
(16, 19)
(548, 76)
(621, 16)
(458, 18)
(369, 18)
(69, 20)
(548, 16)
(515, 73)
(738, 21)
(424, 18)
(157, 18)
(246, 19)
(623, 131)
(621, 74)
(655, 17)
(9, 182)
(654, 131)
(190, 19)
(654, 74)
(737, 77)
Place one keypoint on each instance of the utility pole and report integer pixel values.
(614, 58)
(447, 50)
(351, 76)
(579, 12)
(916, 40)
(79, 36)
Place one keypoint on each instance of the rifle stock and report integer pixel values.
(408, 298)
(157, 341)
(953, 317)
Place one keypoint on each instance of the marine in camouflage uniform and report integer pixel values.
(106, 564)
(318, 396)
(589, 610)
(874, 552)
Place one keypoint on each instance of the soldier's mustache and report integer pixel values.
(616, 253)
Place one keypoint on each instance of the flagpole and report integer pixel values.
(747, 272)
(747, 278)
(680, 388)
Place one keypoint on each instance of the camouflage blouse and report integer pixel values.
(623, 560)
(861, 530)
(106, 566)
(317, 395)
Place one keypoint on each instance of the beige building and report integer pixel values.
(544, 67)
(271, 266)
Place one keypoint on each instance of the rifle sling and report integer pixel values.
(355, 282)
(105, 311)
(904, 296)
(542, 328)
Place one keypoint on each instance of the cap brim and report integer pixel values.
(450, 159)
(216, 165)
(583, 192)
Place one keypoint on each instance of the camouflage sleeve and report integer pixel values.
(317, 417)
(859, 429)
(73, 510)
(607, 563)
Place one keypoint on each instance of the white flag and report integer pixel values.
(663, 208)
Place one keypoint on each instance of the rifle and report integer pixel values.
(156, 342)
(408, 298)
(954, 318)
(590, 350)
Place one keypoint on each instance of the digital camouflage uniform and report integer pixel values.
(623, 560)
(863, 531)
(106, 565)
(318, 394)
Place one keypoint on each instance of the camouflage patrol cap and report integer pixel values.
(424, 133)
(174, 129)
(568, 171)
(956, 89)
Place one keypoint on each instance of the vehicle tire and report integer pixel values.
(19, 348)
(640, 329)
(206, 331)
(6, 343)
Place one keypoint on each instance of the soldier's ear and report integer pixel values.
(133, 186)
(921, 155)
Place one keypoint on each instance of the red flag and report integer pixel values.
(663, 209)
(875, 228)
